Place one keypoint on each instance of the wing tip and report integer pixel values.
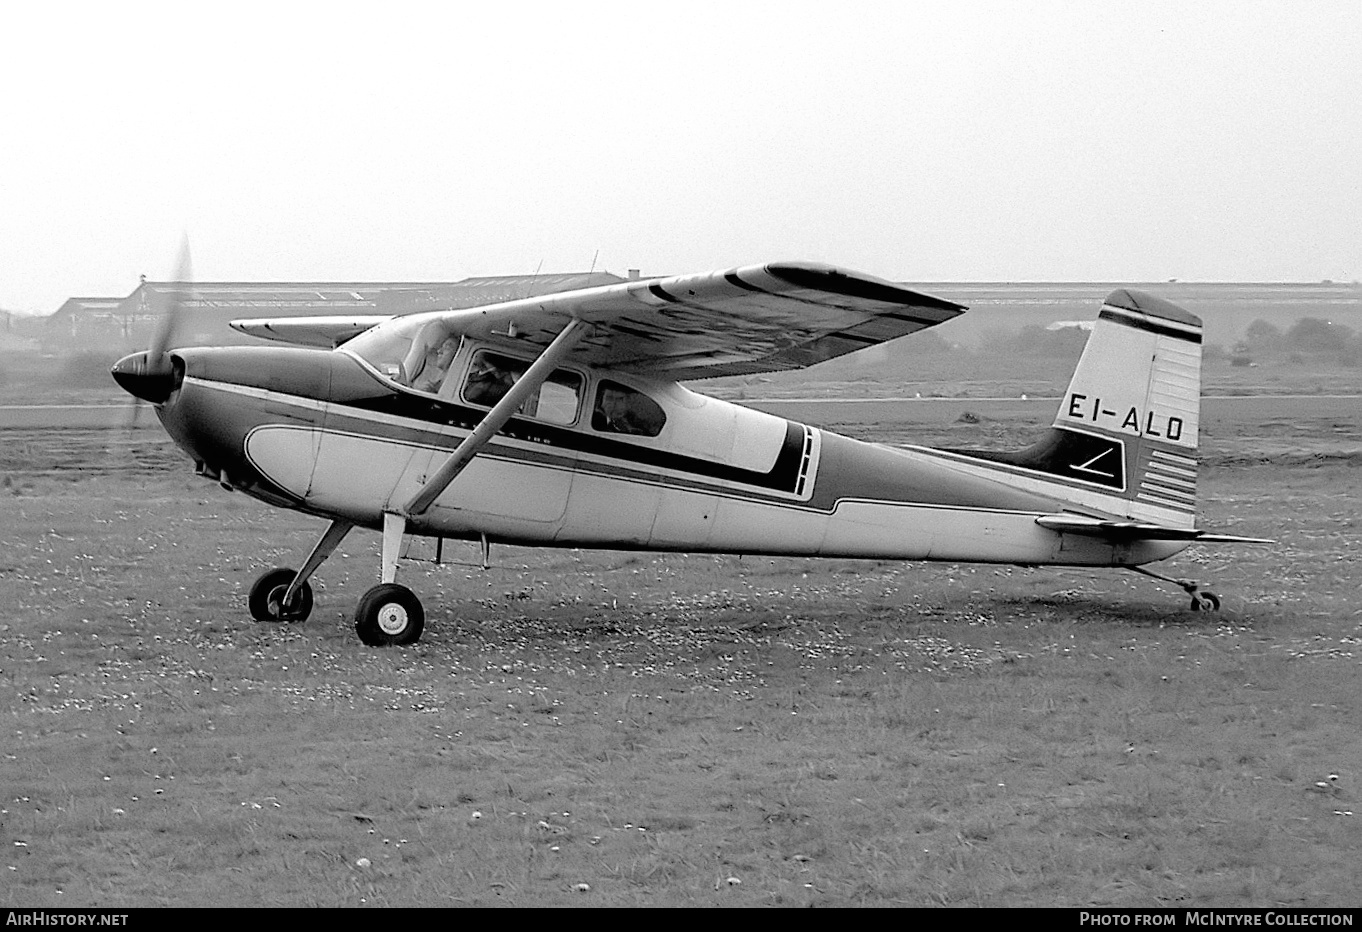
(831, 278)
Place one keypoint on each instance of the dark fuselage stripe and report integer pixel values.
(783, 476)
(303, 412)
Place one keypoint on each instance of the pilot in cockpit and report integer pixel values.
(428, 359)
(435, 365)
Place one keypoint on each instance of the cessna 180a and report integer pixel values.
(560, 421)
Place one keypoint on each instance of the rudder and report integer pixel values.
(1137, 394)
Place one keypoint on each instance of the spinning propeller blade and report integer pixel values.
(170, 315)
(150, 376)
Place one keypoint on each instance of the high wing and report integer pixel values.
(328, 331)
(759, 318)
(1133, 530)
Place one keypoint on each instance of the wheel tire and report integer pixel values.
(1208, 602)
(389, 615)
(267, 596)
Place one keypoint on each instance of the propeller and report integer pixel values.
(170, 316)
(150, 376)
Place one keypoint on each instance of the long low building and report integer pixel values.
(207, 307)
(122, 324)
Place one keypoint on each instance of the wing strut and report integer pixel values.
(394, 522)
(528, 384)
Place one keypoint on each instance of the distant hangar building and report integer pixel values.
(125, 324)
(118, 325)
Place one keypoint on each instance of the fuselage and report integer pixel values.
(335, 434)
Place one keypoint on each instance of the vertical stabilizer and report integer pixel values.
(1137, 395)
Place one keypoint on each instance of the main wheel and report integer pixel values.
(1205, 602)
(389, 614)
(266, 600)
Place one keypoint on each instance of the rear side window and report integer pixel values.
(491, 375)
(620, 409)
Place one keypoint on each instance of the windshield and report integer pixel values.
(417, 352)
(413, 351)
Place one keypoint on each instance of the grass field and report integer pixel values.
(595, 729)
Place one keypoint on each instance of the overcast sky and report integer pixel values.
(1111, 142)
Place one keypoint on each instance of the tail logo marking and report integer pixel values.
(1087, 467)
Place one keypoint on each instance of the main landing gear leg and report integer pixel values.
(282, 594)
(1202, 601)
(390, 614)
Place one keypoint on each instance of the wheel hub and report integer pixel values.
(392, 618)
(278, 607)
(276, 601)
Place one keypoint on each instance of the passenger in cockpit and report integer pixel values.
(488, 383)
(622, 410)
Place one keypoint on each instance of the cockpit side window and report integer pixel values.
(491, 375)
(620, 409)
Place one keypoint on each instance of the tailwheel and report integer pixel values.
(266, 600)
(1205, 602)
(389, 614)
(1202, 601)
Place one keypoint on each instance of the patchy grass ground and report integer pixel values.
(614, 729)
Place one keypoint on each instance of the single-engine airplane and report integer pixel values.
(560, 421)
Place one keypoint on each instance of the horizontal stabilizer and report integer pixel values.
(326, 332)
(1136, 530)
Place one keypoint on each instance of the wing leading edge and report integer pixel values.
(327, 331)
(759, 318)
